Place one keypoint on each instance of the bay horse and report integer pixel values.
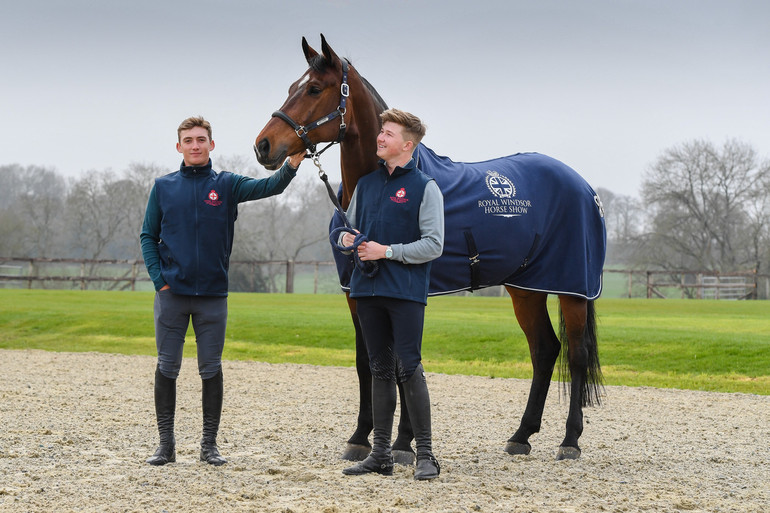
(546, 236)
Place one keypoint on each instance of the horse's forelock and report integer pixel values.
(318, 64)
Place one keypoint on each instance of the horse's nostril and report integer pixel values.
(263, 148)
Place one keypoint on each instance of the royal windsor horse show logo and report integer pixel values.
(500, 185)
(504, 203)
(213, 199)
(400, 196)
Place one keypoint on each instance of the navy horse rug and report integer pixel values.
(526, 220)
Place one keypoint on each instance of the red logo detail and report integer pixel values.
(213, 199)
(400, 196)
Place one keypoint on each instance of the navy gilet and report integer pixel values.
(197, 222)
(388, 212)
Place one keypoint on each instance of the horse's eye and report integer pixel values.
(314, 91)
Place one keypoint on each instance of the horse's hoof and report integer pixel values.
(403, 457)
(567, 453)
(355, 452)
(517, 448)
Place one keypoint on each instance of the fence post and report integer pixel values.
(290, 276)
(699, 285)
(30, 273)
(755, 294)
(649, 285)
(133, 276)
(630, 284)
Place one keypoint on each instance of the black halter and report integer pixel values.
(302, 131)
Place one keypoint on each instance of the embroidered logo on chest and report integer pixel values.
(400, 196)
(213, 199)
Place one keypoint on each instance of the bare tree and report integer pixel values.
(101, 211)
(283, 227)
(34, 199)
(138, 180)
(11, 221)
(707, 207)
(624, 222)
(11, 234)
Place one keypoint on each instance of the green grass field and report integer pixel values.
(703, 345)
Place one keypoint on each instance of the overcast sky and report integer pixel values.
(603, 85)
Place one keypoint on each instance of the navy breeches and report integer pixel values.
(392, 330)
(172, 318)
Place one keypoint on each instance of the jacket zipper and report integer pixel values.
(197, 234)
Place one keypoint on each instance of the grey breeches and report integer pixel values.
(172, 317)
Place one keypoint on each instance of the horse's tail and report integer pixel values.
(593, 383)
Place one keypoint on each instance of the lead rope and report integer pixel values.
(369, 269)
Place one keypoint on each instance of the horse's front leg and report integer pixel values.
(358, 446)
(532, 314)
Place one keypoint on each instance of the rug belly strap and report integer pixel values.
(475, 262)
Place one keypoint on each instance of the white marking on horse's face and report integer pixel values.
(303, 80)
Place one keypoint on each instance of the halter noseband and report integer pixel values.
(302, 131)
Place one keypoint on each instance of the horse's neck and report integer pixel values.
(358, 151)
(356, 160)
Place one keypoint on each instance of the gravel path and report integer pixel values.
(77, 428)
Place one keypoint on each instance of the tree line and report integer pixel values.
(99, 215)
(701, 207)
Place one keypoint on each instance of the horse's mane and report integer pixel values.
(318, 64)
(377, 98)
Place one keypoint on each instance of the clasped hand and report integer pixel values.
(367, 250)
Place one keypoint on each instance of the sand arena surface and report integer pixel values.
(78, 427)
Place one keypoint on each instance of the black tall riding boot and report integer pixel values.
(165, 406)
(383, 409)
(418, 403)
(211, 398)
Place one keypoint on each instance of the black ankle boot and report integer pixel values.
(372, 464)
(211, 399)
(427, 467)
(418, 403)
(165, 406)
(380, 460)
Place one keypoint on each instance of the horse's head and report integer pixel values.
(308, 115)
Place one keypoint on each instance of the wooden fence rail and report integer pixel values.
(126, 274)
(123, 274)
(698, 284)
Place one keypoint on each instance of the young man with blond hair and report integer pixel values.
(401, 211)
(186, 239)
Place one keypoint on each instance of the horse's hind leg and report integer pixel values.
(532, 313)
(578, 327)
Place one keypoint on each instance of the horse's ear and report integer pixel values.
(329, 54)
(309, 52)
